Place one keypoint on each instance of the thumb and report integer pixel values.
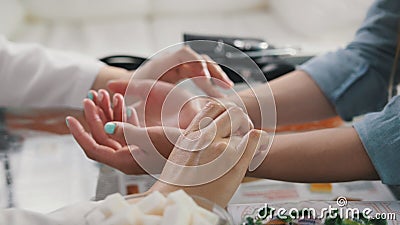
(118, 86)
(255, 143)
(148, 139)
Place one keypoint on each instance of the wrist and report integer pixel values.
(163, 187)
(108, 73)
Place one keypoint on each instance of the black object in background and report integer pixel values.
(8, 143)
(124, 61)
(271, 66)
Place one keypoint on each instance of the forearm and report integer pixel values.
(108, 73)
(34, 76)
(329, 155)
(297, 99)
(48, 120)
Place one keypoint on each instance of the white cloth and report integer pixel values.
(33, 76)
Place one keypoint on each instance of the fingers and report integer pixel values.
(147, 139)
(255, 143)
(118, 86)
(107, 113)
(228, 122)
(144, 88)
(92, 95)
(118, 108)
(201, 68)
(89, 145)
(261, 151)
(205, 84)
(205, 117)
(103, 101)
(232, 121)
(95, 124)
(217, 72)
(132, 116)
(115, 130)
(120, 159)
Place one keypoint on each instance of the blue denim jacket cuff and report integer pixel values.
(380, 134)
(344, 77)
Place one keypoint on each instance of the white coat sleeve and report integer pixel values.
(33, 76)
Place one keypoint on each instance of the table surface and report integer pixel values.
(51, 171)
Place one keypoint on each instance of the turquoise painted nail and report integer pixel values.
(66, 122)
(90, 95)
(129, 112)
(109, 128)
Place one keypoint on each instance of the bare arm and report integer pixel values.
(297, 98)
(329, 155)
(108, 73)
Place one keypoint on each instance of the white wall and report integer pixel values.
(141, 27)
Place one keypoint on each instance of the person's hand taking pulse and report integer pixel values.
(226, 135)
(114, 151)
(228, 142)
(74, 76)
(145, 116)
(174, 67)
(217, 139)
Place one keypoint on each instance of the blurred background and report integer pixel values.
(141, 27)
(51, 171)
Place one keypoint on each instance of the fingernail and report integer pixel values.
(100, 96)
(129, 112)
(109, 128)
(66, 121)
(90, 95)
(115, 101)
(208, 105)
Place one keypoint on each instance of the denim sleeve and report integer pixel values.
(380, 134)
(355, 79)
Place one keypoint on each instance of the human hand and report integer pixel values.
(163, 104)
(181, 64)
(153, 103)
(212, 157)
(113, 150)
(109, 73)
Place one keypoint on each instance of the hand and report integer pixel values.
(163, 104)
(109, 73)
(211, 158)
(112, 149)
(182, 64)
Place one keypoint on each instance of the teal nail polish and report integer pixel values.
(90, 95)
(128, 112)
(109, 128)
(66, 122)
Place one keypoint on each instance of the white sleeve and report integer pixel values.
(33, 76)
